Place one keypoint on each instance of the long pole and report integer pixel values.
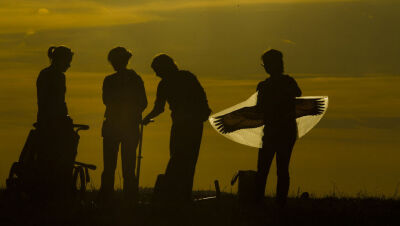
(139, 158)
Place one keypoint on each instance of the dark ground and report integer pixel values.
(226, 211)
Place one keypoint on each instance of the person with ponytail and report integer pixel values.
(58, 140)
(125, 99)
(51, 87)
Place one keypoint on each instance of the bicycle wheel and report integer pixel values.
(79, 182)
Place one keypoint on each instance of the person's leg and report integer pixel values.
(185, 144)
(172, 171)
(191, 150)
(110, 154)
(283, 154)
(265, 157)
(128, 159)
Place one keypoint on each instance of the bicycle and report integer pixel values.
(22, 179)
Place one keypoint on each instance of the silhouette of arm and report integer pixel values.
(306, 107)
(143, 98)
(201, 94)
(63, 104)
(260, 105)
(243, 118)
(295, 89)
(201, 99)
(251, 117)
(42, 96)
(159, 104)
(51, 95)
(106, 92)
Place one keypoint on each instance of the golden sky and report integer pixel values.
(348, 50)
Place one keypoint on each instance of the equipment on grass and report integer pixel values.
(246, 186)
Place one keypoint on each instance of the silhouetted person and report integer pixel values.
(276, 100)
(189, 109)
(58, 140)
(125, 99)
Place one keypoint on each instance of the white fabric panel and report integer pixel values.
(253, 137)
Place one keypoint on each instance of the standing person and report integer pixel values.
(58, 141)
(125, 99)
(189, 109)
(276, 100)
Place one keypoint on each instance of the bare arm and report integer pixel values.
(106, 93)
(159, 104)
(295, 88)
(143, 98)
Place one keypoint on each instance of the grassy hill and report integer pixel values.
(225, 211)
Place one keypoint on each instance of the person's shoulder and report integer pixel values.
(187, 73)
(46, 71)
(188, 76)
(262, 84)
(46, 74)
(42, 76)
(134, 74)
(109, 78)
(288, 78)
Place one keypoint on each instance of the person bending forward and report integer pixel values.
(189, 109)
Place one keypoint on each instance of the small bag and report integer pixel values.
(246, 186)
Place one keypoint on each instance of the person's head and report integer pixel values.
(119, 58)
(163, 65)
(273, 62)
(60, 57)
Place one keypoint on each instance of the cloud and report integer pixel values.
(290, 42)
(29, 15)
(43, 11)
(30, 32)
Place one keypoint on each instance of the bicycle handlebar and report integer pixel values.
(81, 126)
(89, 166)
(78, 126)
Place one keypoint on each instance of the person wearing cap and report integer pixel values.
(58, 142)
(189, 109)
(276, 100)
(125, 99)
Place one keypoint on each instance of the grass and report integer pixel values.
(226, 211)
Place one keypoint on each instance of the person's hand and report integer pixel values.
(146, 120)
(68, 120)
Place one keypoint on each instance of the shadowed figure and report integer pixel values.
(125, 99)
(58, 141)
(189, 109)
(276, 101)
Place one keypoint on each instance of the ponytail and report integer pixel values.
(59, 52)
(50, 52)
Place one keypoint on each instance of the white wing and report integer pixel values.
(253, 136)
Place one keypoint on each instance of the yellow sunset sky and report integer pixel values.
(347, 50)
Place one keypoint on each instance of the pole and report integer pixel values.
(139, 158)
